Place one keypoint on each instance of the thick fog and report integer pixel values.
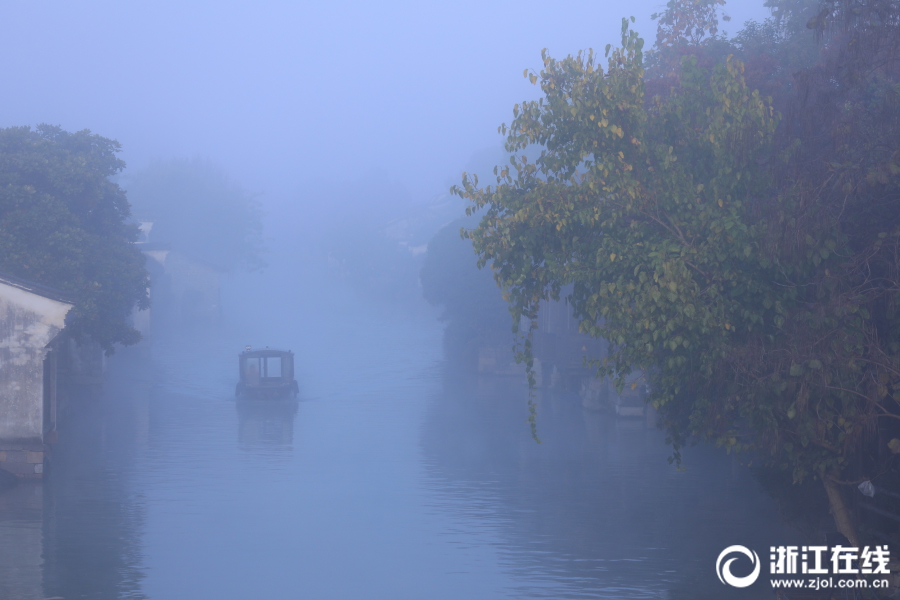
(287, 93)
(295, 160)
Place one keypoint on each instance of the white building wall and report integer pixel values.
(28, 322)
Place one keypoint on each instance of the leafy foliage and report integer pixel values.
(688, 22)
(747, 260)
(63, 224)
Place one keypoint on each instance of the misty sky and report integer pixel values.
(281, 93)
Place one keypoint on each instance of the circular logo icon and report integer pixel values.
(724, 570)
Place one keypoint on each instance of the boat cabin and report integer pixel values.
(266, 373)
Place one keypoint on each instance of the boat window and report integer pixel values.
(273, 366)
(252, 369)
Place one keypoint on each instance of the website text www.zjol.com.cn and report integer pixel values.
(812, 567)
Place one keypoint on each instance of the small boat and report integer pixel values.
(266, 374)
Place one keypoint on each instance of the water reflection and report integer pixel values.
(93, 516)
(595, 510)
(396, 478)
(266, 422)
(21, 542)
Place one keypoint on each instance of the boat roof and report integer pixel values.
(266, 352)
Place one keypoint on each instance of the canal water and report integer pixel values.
(393, 476)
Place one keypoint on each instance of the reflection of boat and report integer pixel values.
(266, 422)
(266, 373)
(7, 479)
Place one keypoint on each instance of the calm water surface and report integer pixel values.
(391, 477)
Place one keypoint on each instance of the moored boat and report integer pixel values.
(266, 373)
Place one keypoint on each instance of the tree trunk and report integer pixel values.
(842, 518)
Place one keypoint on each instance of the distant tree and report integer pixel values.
(377, 238)
(63, 224)
(474, 308)
(195, 206)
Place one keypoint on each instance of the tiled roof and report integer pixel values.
(37, 288)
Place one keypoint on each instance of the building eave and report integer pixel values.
(37, 288)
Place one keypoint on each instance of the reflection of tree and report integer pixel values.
(596, 509)
(92, 521)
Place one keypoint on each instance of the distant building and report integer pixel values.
(559, 351)
(185, 288)
(195, 287)
(31, 318)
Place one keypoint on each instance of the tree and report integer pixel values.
(196, 207)
(63, 224)
(747, 260)
(473, 307)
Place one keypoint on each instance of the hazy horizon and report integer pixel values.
(283, 95)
